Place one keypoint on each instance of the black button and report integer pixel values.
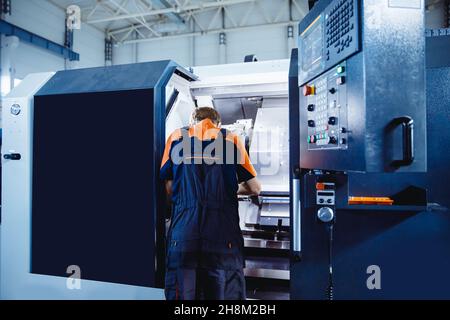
(311, 123)
(333, 90)
(311, 108)
(333, 140)
(332, 121)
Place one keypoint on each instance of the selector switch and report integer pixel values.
(311, 107)
(333, 90)
(333, 140)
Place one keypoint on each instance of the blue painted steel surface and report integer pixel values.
(410, 244)
(385, 80)
(8, 29)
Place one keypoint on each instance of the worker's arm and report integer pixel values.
(251, 187)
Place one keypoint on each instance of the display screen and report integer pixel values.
(311, 48)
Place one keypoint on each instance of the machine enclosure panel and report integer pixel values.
(101, 220)
(97, 200)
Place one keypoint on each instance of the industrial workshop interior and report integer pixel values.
(335, 114)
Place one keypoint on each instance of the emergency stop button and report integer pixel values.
(309, 90)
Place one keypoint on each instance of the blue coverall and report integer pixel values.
(205, 244)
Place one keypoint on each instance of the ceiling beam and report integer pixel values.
(173, 9)
(214, 31)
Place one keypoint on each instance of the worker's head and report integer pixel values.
(203, 113)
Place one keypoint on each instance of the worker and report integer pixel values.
(205, 168)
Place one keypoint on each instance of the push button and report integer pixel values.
(340, 80)
(332, 121)
(309, 90)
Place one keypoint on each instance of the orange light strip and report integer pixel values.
(370, 200)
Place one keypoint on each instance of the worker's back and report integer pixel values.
(206, 164)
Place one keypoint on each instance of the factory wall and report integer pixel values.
(47, 20)
(269, 43)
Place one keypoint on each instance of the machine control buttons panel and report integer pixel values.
(340, 32)
(327, 111)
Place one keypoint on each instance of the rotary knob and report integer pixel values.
(325, 214)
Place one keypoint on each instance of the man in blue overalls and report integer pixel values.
(205, 168)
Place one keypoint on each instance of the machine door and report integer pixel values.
(94, 186)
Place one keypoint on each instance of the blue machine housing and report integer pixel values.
(409, 241)
(383, 83)
(100, 133)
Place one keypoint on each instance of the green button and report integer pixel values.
(340, 69)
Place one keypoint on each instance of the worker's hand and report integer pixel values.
(256, 200)
(251, 187)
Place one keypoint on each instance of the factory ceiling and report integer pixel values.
(135, 21)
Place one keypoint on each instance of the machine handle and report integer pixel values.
(296, 218)
(12, 156)
(408, 141)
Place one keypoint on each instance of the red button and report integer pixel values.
(308, 90)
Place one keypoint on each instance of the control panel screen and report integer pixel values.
(330, 39)
(311, 48)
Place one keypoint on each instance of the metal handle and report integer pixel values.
(408, 141)
(12, 156)
(296, 217)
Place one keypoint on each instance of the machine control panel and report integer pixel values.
(326, 104)
(325, 193)
(329, 39)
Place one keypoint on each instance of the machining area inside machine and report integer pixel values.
(262, 124)
(258, 115)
